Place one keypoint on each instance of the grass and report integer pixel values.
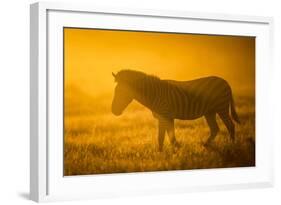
(97, 142)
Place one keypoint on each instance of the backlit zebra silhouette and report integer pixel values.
(169, 100)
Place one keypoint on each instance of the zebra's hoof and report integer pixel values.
(207, 144)
(177, 145)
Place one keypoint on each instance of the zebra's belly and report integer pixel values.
(200, 109)
(188, 116)
(192, 111)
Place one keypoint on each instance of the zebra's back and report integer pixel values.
(195, 98)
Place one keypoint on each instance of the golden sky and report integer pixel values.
(91, 55)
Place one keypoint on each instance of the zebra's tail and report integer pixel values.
(233, 111)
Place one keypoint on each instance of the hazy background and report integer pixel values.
(91, 55)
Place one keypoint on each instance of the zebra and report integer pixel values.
(170, 99)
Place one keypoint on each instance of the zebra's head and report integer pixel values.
(131, 84)
(123, 95)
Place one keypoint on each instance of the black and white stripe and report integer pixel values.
(185, 100)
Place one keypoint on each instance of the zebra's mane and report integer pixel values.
(131, 77)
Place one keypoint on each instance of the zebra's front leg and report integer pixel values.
(171, 132)
(161, 133)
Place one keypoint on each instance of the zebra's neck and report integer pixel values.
(149, 92)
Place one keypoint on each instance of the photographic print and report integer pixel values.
(139, 101)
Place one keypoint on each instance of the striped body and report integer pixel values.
(187, 100)
(170, 99)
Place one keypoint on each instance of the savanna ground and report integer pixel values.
(97, 142)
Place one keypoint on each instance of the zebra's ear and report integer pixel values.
(114, 75)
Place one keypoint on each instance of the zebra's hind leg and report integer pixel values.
(211, 120)
(224, 115)
(171, 133)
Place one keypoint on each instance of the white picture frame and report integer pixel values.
(47, 182)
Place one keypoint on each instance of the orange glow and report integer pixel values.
(98, 142)
(91, 55)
